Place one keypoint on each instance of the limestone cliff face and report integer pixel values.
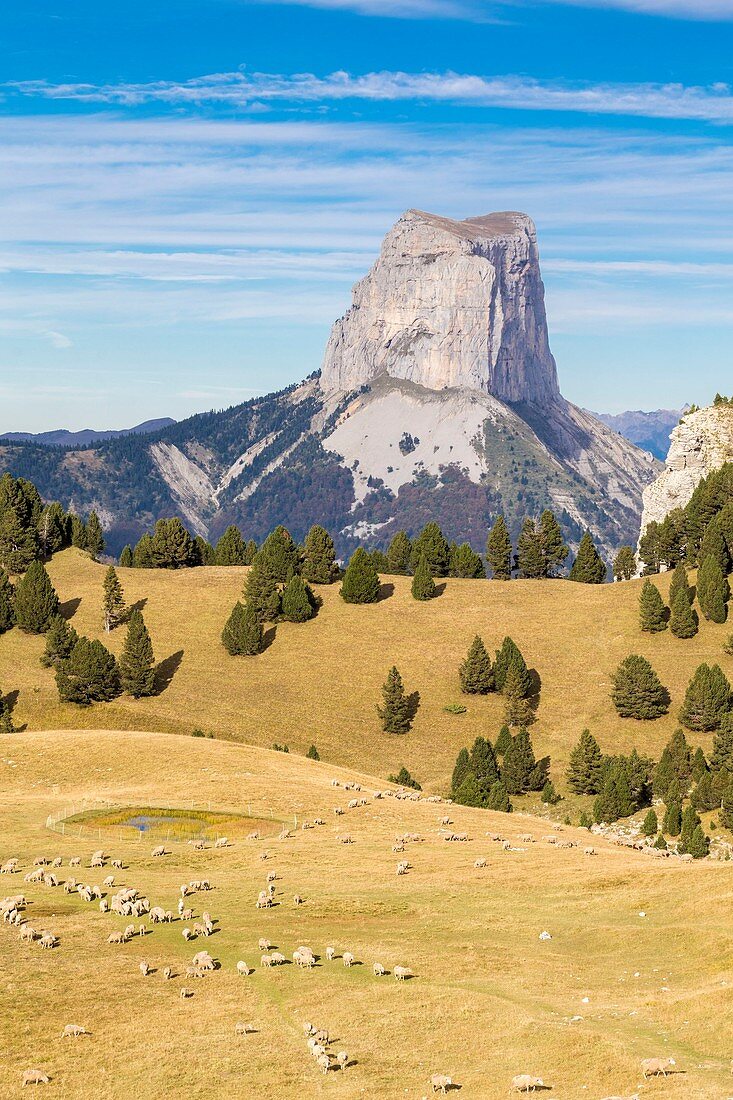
(702, 442)
(449, 304)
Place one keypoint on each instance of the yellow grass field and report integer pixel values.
(319, 681)
(488, 999)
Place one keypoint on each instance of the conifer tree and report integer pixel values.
(313, 753)
(142, 555)
(280, 554)
(361, 581)
(466, 563)
(704, 797)
(683, 620)
(518, 765)
(624, 564)
(637, 691)
(242, 635)
(261, 592)
(423, 586)
(588, 567)
(499, 551)
(460, 771)
(60, 640)
(432, 545)
(690, 822)
(726, 809)
(549, 795)
(203, 552)
(6, 722)
(498, 799)
(475, 674)
(699, 764)
(36, 601)
(722, 754)
(530, 559)
(379, 560)
(728, 645)
(650, 825)
(297, 601)
(553, 546)
(250, 550)
(660, 842)
(90, 674)
(126, 561)
(395, 711)
(94, 536)
(503, 741)
(517, 688)
(509, 652)
(7, 613)
(713, 545)
(78, 533)
(319, 557)
(672, 822)
(113, 600)
(585, 767)
(482, 763)
(230, 549)
(18, 542)
(652, 609)
(713, 590)
(137, 663)
(51, 529)
(698, 845)
(707, 699)
(399, 554)
(586, 821)
(614, 800)
(469, 792)
(171, 546)
(679, 581)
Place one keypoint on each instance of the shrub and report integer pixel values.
(312, 753)
(404, 779)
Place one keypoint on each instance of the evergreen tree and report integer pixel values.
(466, 563)
(672, 819)
(652, 610)
(503, 741)
(624, 564)
(261, 592)
(361, 580)
(650, 825)
(242, 635)
(137, 663)
(585, 768)
(675, 765)
(171, 546)
(698, 845)
(312, 753)
(499, 551)
(460, 771)
(113, 600)
(707, 699)
(280, 555)
(703, 797)
(549, 795)
(713, 591)
(517, 688)
(699, 764)
(586, 821)
(728, 645)
(615, 799)
(588, 567)
(423, 586)
(250, 550)
(52, 529)
(518, 765)
(90, 674)
(60, 640)
(475, 674)
(36, 601)
(552, 544)
(7, 613)
(482, 763)
(713, 545)
(726, 811)
(637, 691)
(399, 554)
(469, 793)
(379, 561)
(230, 549)
(498, 799)
(509, 652)
(94, 536)
(126, 561)
(297, 601)
(142, 555)
(432, 545)
(679, 581)
(690, 822)
(683, 620)
(395, 712)
(18, 542)
(319, 557)
(660, 842)
(722, 754)
(530, 559)
(203, 552)
(78, 533)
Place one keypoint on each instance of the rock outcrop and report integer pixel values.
(449, 304)
(701, 442)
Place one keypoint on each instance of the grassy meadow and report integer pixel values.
(488, 1000)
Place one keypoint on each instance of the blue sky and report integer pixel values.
(188, 190)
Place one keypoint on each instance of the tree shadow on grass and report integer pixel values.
(535, 691)
(165, 671)
(440, 589)
(268, 637)
(69, 608)
(137, 606)
(413, 704)
(385, 591)
(11, 701)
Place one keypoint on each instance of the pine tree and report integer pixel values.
(699, 764)
(137, 663)
(713, 591)
(423, 586)
(280, 554)
(60, 640)
(637, 691)
(672, 822)
(675, 766)
(313, 753)
(7, 613)
(6, 721)
(519, 762)
(18, 542)
(94, 536)
(509, 652)
(113, 600)
(652, 609)
(469, 792)
(499, 551)
(713, 545)
(90, 674)
(553, 547)
(52, 529)
(679, 581)
(498, 799)
(614, 800)
(707, 699)
(586, 821)
(475, 674)
(549, 795)
(722, 754)
(432, 545)
(230, 549)
(379, 561)
(460, 771)
(699, 844)
(399, 554)
(203, 552)
(703, 797)
(726, 810)
(503, 741)
(261, 592)
(585, 768)
(171, 546)
(588, 567)
(396, 711)
(650, 825)
(466, 563)
(530, 559)
(242, 635)
(78, 533)
(361, 580)
(728, 645)
(250, 550)
(624, 564)
(482, 763)
(297, 601)
(126, 561)
(517, 688)
(319, 557)
(690, 822)
(142, 555)
(683, 620)
(36, 601)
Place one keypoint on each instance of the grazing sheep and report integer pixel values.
(116, 937)
(307, 1026)
(109, 881)
(144, 968)
(73, 1031)
(185, 993)
(441, 1082)
(338, 811)
(589, 851)
(35, 1077)
(243, 1029)
(322, 1037)
(253, 836)
(186, 914)
(129, 931)
(266, 960)
(221, 842)
(159, 851)
(27, 934)
(271, 890)
(298, 900)
(204, 959)
(264, 944)
(242, 969)
(348, 958)
(271, 876)
(342, 1059)
(324, 1062)
(48, 940)
(156, 915)
(104, 906)
(195, 972)
(75, 861)
(167, 973)
(379, 970)
(50, 880)
(117, 863)
(277, 958)
(56, 862)
(525, 1082)
(187, 934)
(330, 953)
(401, 973)
(652, 1067)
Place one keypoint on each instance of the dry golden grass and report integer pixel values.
(489, 999)
(319, 682)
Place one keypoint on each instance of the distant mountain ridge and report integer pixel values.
(61, 437)
(649, 430)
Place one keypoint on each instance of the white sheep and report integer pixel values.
(158, 851)
(167, 973)
(441, 1082)
(401, 973)
(242, 969)
(330, 953)
(35, 1077)
(478, 863)
(525, 1082)
(144, 968)
(264, 944)
(653, 1067)
(342, 1059)
(266, 960)
(73, 1031)
(324, 1062)
(243, 1029)
(348, 958)
(277, 958)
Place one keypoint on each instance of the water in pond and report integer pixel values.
(144, 822)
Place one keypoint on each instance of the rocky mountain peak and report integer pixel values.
(449, 304)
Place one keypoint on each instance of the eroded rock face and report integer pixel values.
(701, 442)
(449, 304)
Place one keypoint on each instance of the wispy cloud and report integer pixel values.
(58, 340)
(242, 90)
(482, 10)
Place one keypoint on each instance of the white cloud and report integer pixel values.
(58, 340)
(482, 10)
(679, 9)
